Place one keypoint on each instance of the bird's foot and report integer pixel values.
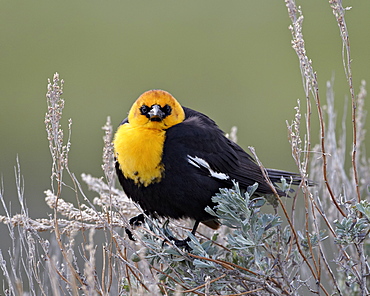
(137, 220)
(134, 221)
(181, 243)
(129, 234)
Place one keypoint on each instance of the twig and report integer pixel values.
(339, 12)
(207, 283)
(310, 85)
(263, 170)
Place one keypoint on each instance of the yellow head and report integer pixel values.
(156, 109)
(138, 144)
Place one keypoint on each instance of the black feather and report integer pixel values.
(185, 190)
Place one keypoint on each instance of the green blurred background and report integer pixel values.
(229, 59)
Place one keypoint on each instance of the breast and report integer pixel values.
(139, 151)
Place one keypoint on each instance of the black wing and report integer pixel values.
(199, 136)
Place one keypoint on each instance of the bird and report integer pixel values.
(171, 160)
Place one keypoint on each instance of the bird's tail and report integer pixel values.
(291, 178)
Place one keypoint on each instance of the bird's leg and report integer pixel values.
(196, 224)
(180, 243)
(183, 243)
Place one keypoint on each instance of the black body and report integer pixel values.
(185, 190)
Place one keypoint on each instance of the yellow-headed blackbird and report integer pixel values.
(171, 160)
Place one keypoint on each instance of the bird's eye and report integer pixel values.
(166, 110)
(144, 109)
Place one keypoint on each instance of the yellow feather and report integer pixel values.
(138, 144)
(139, 153)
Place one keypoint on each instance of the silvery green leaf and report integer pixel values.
(203, 264)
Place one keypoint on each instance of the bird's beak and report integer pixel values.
(155, 113)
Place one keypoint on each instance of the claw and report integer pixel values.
(137, 220)
(181, 243)
(134, 221)
(129, 234)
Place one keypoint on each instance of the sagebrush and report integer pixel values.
(267, 246)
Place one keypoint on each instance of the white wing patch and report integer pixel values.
(201, 163)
